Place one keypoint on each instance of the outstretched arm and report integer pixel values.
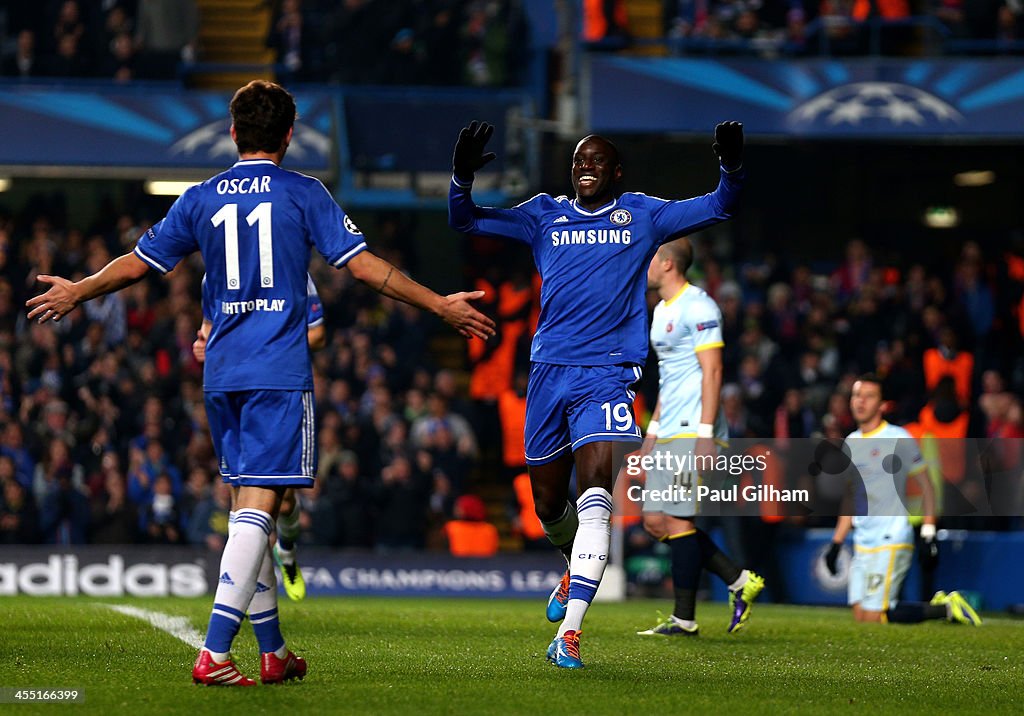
(463, 214)
(677, 218)
(454, 309)
(63, 295)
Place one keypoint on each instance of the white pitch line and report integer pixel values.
(178, 627)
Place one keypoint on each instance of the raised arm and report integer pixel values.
(63, 296)
(676, 218)
(454, 309)
(463, 214)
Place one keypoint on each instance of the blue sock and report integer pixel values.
(263, 608)
(224, 623)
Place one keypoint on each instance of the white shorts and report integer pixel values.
(669, 490)
(876, 575)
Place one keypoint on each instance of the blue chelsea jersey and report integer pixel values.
(593, 264)
(255, 225)
(314, 306)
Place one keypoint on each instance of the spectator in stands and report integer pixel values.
(1000, 408)
(195, 490)
(945, 359)
(525, 522)
(23, 62)
(70, 60)
(425, 428)
(12, 445)
(287, 38)
(792, 418)
(446, 385)
(973, 294)
(119, 61)
(161, 519)
(605, 23)
(318, 519)
(19, 519)
(469, 534)
(512, 411)
(851, 276)
(355, 31)
(448, 458)
(492, 30)
(401, 65)
(1011, 21)
(757, 396)
(166, 34)
(115, 520)
(57, 465)
(982, 18)
(64, 510)
(352, 494)
(208, 524)
(440, 40)
(402, 502)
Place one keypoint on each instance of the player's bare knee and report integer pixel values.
(548, 507)
(288, 501)
(654, 524)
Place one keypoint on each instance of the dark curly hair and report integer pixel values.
(262, 113)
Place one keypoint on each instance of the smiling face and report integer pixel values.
(595, 171)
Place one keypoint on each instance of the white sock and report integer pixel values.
(684, 623)
(239, 567)
(265, 599)
(740, 581)
(287, 555)
(589, 555)
(263, 608)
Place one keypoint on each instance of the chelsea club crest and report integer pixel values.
(620, 217)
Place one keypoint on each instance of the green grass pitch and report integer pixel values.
(426, 656)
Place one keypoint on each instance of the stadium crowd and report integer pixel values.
(471, 42)
(103, 435)
(436, 42)
(121, 40)
(799, 27)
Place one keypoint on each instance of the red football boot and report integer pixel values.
(213, 673)
(274, 670)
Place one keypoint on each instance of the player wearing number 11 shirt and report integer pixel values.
(592, 253)
(255, 225)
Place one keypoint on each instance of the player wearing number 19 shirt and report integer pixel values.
(255, 225)
(592, 253)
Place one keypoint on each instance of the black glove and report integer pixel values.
(729, 144)
(469, 150)
(831, 557)
(928, 554)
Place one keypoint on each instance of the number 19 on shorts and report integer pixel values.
(621, 414)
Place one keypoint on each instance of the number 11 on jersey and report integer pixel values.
(260, 216)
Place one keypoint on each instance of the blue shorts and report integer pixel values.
(569, 405)
(264, 437)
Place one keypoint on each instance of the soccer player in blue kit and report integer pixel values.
(592, 253)
(287, 526)
(255, 225)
